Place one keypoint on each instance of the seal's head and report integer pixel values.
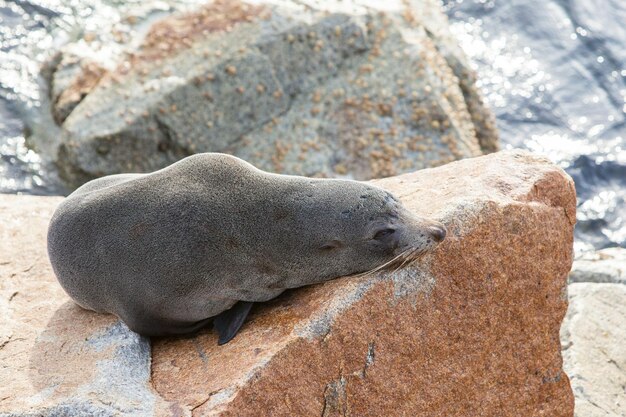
(353, 227)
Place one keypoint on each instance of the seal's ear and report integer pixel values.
(333, 244)
(228, 322)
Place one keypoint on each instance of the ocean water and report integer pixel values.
(553, 71)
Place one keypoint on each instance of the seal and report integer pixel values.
(206, 237)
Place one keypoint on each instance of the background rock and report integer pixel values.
(71, 78)
(606, 265)
(315, 90)
(471, 330)
(593, 336)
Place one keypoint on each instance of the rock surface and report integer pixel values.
(606, 265)
(472, 330)
(320, 89)
(593, 338)
(72, 77)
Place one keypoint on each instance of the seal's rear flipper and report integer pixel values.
(228, 322)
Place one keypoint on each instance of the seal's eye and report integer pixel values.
(383, 233)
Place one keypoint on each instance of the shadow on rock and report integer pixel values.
(65, 354)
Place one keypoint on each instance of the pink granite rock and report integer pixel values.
(472, 330)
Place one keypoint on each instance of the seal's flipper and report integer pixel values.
(228, 322)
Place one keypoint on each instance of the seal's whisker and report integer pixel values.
(400, 262)
(391, 262)
(416, 256)
(409, 258)
(378, 268)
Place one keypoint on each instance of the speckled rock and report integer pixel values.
(472, 330)
(593, 338)
(71, 77)
(606, 265)
(326, 89)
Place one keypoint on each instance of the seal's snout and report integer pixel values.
(420, 235)
(438, 233)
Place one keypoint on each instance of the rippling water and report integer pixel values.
(553, 71)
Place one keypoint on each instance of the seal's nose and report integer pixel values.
(438, 233)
